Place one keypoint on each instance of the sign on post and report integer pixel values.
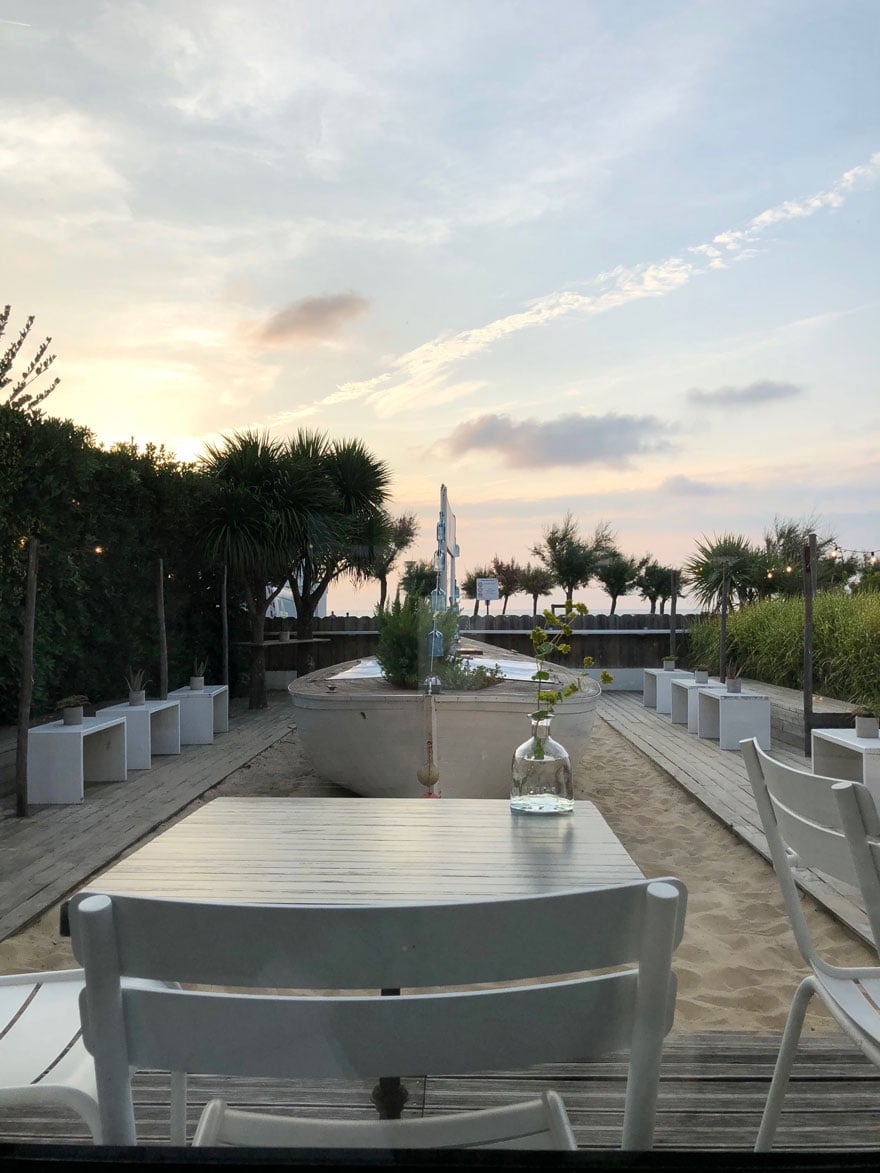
(487, 589)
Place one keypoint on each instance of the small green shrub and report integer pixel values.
(403, 648)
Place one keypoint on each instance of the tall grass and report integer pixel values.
(766, 640)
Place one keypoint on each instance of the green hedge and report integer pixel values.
(765, 641)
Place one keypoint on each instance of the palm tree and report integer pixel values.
(469, 585)
(618, 575)
(722, 571)
(343, 539)
(536, 581)
(572, 561)
(403, 533)
(508, 575)
(263, 503)
(419, 579)
(654, 583)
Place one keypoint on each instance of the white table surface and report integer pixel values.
(203, 712)
(684, 698)
(838, 753)
(364, 851)
(60, 761)
(150, 728)
(730, 717)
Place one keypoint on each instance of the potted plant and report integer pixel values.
(284, 633)
(668, 664)
(734, 679)
(71, 708)
(867, 722)
(136, 679)
(197, 680)
(701, 674)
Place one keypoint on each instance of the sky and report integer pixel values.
(613, 257)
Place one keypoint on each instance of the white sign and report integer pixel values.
(487, 588)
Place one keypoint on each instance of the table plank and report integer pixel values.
(351, 851)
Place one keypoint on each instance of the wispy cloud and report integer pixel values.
(567, 440)
(421, 374)
(311, 320)
(763, 391)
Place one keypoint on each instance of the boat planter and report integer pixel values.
(867, 727)
(363, 733)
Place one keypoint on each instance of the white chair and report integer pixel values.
(534, 1124)
(43, 1060)
(833, 826)
(123, 940)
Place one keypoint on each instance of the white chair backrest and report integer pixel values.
(123, 940)
(816, 822)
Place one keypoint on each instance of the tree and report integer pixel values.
(618, 575)
(469, 585)
(265, 501)
(418, 579)
(343, 538)
(654, 583)
(39, 364)
(508, 575)
(403, 533)
(572, 561)
(536, 581)
(722, 566)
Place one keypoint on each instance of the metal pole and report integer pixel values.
(809, 562)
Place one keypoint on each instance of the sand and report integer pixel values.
(737, 966)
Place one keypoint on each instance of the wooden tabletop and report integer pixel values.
(362, 851)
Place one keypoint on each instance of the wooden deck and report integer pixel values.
(55, 849)
(717, 778)
(712, 1093)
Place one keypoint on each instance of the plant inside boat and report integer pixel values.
(404, 628)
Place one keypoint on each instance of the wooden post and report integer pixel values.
(26, 685)
(673, 575)
(809, 558)
(160, 617)
(224, 619)
(722, 653)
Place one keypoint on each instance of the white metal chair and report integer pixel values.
(833, 826)
(123, 940)
(43, 1060)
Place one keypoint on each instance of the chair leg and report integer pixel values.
(784, 1061)
(178, 1108)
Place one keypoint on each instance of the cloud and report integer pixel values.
(312, 319)
(568, 440)
(683, 486)
(420, 375)
(763, 391)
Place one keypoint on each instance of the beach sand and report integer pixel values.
(737, 966)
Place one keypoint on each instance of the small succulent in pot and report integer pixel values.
(136, 679)
(701, 674)
(867, 722)
(71, 708)
(197, 680)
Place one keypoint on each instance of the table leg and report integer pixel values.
(389, 1095)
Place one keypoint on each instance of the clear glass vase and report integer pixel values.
(541, 774)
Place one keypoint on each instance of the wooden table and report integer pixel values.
(366, 851)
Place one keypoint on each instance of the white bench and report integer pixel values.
(683, 705)
(731, 716)
(657, 688)
(838, 753)
(151, 728)
(202, 713)
(61, 758)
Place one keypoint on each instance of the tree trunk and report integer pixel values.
(383, 591)
(26, 685)
(224, 625)
(476, 608)
(613, 604)
(257, 698)
(654, 607)
(160, 620)
(534, 606)
(504, 608)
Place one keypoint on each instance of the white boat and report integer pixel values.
(363, 733)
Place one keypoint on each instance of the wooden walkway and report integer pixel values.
(53, 851)
(712, 1092)
(717, 778)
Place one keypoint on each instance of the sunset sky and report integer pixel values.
(608, 256)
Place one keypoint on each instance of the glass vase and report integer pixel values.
(541, 781)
